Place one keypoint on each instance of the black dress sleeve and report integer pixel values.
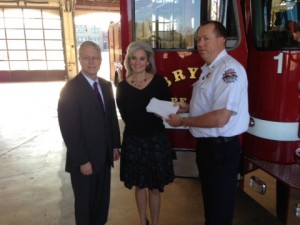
(120, 101)
(164, 90)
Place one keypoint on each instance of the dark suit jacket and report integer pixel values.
(89, 135)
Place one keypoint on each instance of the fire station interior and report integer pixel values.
(34, 188)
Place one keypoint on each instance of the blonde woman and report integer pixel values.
(146, 158)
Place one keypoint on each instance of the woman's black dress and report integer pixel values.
(146, 157)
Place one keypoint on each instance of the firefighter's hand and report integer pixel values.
(174, 120)
(183, 107)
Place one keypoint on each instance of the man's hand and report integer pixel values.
(174, 120)
(183, 107)
(116, 154)
(86, 169)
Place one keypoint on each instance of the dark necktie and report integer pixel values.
(99, 96)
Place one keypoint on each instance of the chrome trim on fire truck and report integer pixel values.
(278, 131)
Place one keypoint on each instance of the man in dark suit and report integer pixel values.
(89, 126)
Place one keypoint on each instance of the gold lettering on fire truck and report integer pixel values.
(179, 76)
(193, 71)
(174, 99)
(168, 81)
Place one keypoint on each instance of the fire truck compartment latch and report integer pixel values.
(258, 185)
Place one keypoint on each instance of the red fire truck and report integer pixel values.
(264, 35)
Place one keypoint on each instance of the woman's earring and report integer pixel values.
(148, 68)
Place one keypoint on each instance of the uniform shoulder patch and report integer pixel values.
(229, 76)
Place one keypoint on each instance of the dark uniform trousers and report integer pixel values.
(92, 196)
(218, 163)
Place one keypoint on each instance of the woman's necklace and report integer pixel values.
(139, 83)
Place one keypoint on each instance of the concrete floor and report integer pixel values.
(35, 190)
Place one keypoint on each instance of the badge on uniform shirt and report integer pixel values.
(229, 76)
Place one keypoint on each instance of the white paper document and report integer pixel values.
(162, 108)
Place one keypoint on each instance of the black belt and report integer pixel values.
(217, 140)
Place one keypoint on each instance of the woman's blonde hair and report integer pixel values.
(132, 48)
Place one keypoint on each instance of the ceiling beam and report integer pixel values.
(98, 5)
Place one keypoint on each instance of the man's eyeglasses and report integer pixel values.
(88, 58)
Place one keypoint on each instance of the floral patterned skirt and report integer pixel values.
(146, 162)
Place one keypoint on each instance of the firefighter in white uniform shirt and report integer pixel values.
(218, 114)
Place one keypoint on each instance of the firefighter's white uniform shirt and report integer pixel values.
(222, 84)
